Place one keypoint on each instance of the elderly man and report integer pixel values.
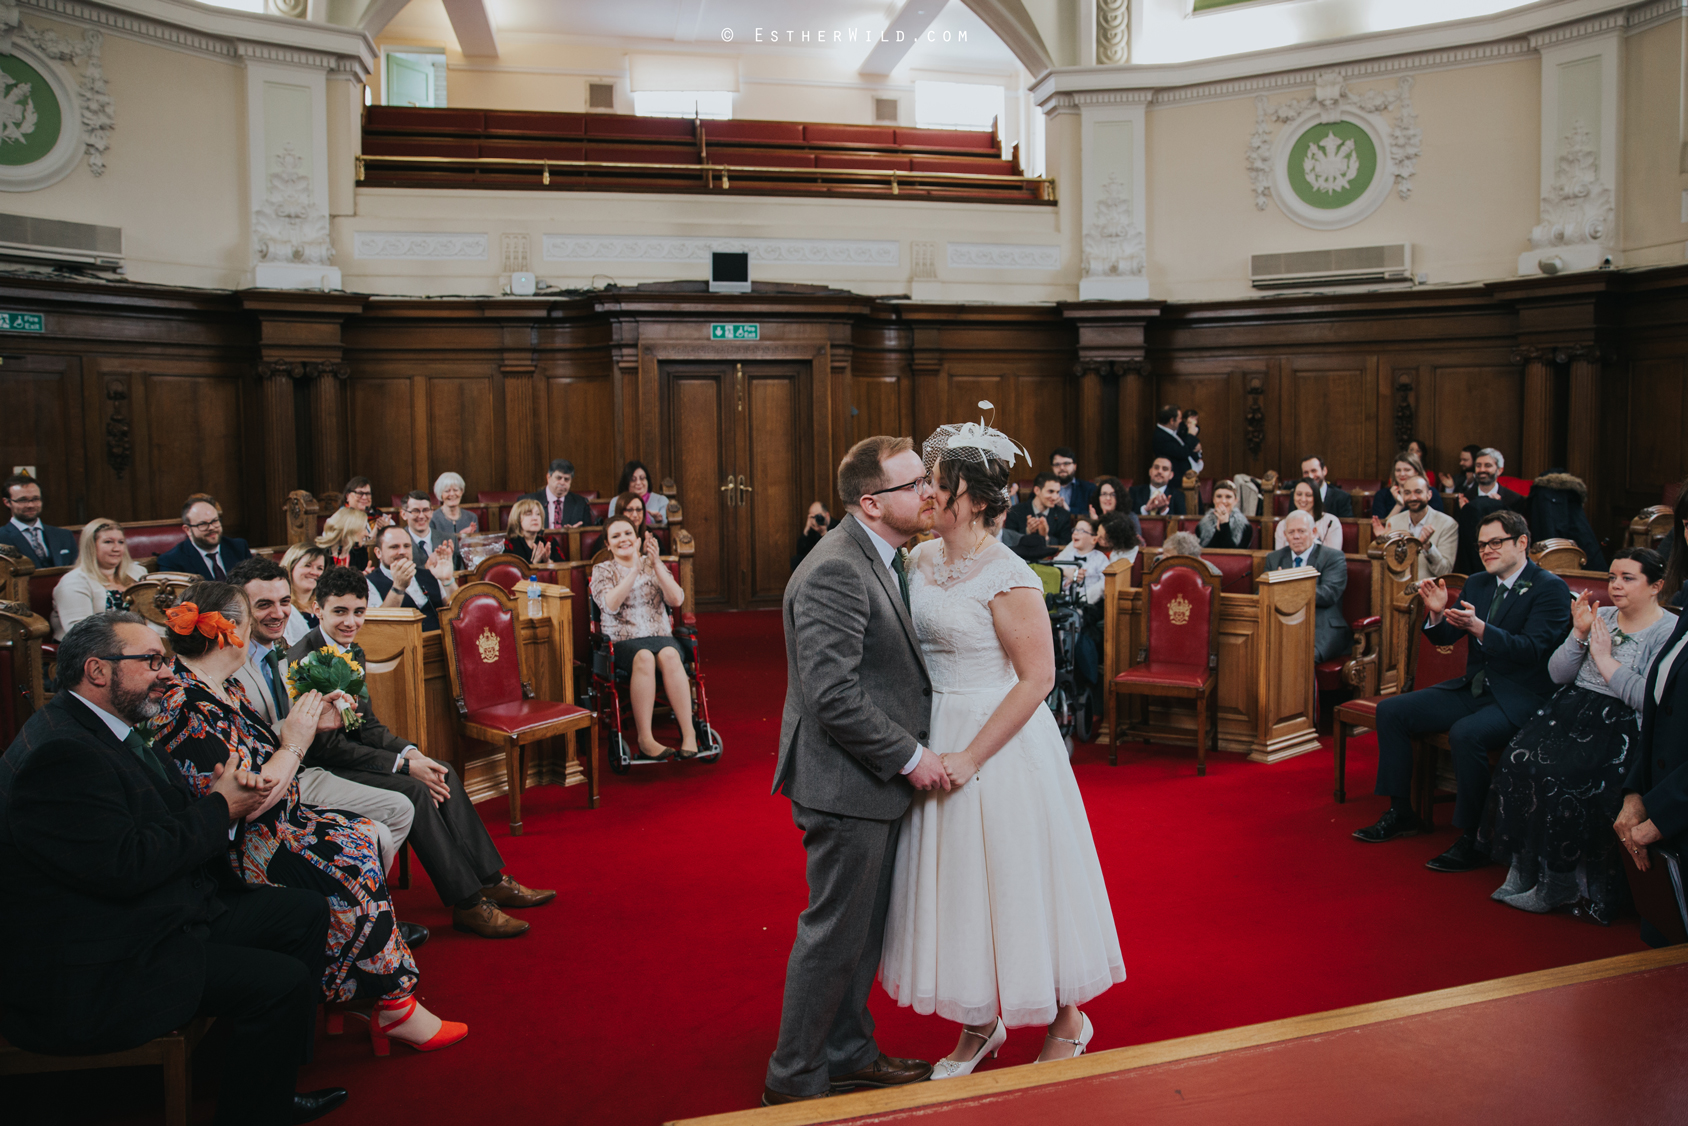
(1158, 496)
(120, 917)
(1331, 633)
(1437, 532)
(1513, 616)
(206, 552)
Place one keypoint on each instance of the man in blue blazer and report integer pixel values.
(1656, 788)
(206, 552)
(46, 545)
(401, 583)
(1077, 494)
(1160, 495)
(1516, 615)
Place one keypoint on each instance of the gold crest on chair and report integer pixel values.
(1178, 611)
(487, 644)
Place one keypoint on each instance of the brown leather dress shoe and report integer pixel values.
(507, 893)
(886, 1071)
(771, 1097)
(487, 921)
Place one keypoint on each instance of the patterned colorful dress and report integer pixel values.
(293, 844)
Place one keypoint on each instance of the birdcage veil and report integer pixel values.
(978, 442)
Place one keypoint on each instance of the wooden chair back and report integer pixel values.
(1557, 555)
(22, 667)
(1428, 663)
(1181, 612)
(157, 593)
(1651, 527)
(483, 655)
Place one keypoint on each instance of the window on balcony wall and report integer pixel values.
(957, 105)
(710, 104)
(413, 77)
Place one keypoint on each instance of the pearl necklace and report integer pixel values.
(944, 573)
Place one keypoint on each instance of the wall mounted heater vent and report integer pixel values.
(1354, 265)
(58, 241)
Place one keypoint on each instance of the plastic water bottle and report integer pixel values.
(533, 597)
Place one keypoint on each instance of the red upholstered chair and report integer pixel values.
(1587, 582)
(1180, 652)
(1357, 608)
(494, 691)
(506, 570)
(1154, 529)
(1425, 664)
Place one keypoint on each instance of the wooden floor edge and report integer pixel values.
(868, 1103)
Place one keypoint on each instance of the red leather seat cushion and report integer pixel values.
(1581, 584)
(979, 140)
(523, 715)
(600, 510)
(420, 146)
(488, 668)
(534, 150)
(1236, 572)
(1165, 674)
(754, 132)
(506, 575)
(1362, 711)
(628, 125)
(641, 154)
(973, 166)
(41, 593)
(1350, 536)
(153, 539)
(1154, 530)
(1328, 675)
(762, 158)
(498, 498)
(1356, 597)
(880, 135)
(536, 124)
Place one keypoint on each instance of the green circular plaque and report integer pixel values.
(1331, 166)
(30, 117)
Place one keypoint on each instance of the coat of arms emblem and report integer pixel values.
(1178, 611)
(487, 644)
(1331, 165)
(17, 110)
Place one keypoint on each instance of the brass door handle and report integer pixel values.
(728, 489)
(744, 488)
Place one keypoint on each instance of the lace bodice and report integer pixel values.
(952, 617)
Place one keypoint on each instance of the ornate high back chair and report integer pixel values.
(1556, 555)
(506, 570)
(22, 667)
(1651, 528)
(493, 688)
(1179, 654)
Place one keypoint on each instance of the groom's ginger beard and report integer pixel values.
(921, 521)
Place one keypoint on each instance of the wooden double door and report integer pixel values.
(735, 431)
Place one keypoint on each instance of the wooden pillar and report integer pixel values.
(1582, 439)
(1091, 419)
(276, 451)
(1136, 414)
(329, 423)
(1536, 454)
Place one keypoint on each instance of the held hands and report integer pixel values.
(929, 773)
(430, 773)
(329, 720)
(1635, 830)
(1582, 613)
(960, 767)
(244, 790)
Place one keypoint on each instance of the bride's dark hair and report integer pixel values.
(987, 483)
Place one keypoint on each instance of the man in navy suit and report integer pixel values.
(1160, 494)
(1181, 451)
(46, 545)
(1077, 494)
(206, 552)
(1335, 498)
(1516, 615)
(1656, 788)
(563, 509)
(401, 583)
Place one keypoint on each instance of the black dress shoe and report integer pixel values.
(1462, 857)
(414, 934)
(312, 1105)
(771, 1097)
(1392, 824)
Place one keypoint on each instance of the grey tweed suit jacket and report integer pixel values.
(858, 698)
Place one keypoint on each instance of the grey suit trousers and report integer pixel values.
(825, 1028)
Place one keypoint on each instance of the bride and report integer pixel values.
(999, 916)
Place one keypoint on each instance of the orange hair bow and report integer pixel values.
(186, 618)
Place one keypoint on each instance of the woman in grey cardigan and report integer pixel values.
(1559, 786)
(1224, 526)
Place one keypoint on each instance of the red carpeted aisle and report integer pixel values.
(650, 990)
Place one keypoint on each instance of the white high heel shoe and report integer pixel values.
(951, 1069)
(1079, 1044)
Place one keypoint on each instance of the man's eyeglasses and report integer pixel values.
(912, 485)
(205, 526)
(155, 661)
(361, 493)
(1494, 545)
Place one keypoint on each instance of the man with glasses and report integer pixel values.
(206, 552)
(120, 917)
(46, 545)
(1512, 616)
(428, 546)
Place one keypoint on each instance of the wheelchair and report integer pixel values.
(615, 710)
(1068, 700)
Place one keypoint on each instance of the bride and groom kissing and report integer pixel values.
(948, 851)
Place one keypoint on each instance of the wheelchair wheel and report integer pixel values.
(710, 744)
(621, 757)
(1060, 701)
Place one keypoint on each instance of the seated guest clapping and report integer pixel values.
(205, 720)
(102, 573)
(1223, 526)
(1042, 515)
(345, 539)
(1392, 496)
(120, 916)
(426, 539)
(1331, 632)
(1327, 529)
(449, 520)
(1437, 532)
(1091, 560)
(304, 564)
(1513, 615)
(206, 552)
(523, 535)
(634, 591)
(448, 835)
(1110, 497)
(1158, 496)
(1559, 785)
(635, 479)
(401, 583)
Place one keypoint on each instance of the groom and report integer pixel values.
(852, 753)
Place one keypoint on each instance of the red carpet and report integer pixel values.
(650, 990)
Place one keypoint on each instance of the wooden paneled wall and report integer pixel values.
(135, 396)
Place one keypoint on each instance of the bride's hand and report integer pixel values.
(960, 767)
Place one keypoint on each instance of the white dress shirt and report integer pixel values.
(414, 589)
(1155, 491)
(118, 727)
(343, 651)
(886, 554)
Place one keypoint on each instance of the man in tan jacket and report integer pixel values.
(1436, 531)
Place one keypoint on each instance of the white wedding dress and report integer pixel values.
(997, 898)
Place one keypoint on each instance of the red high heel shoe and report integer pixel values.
(380, 1038)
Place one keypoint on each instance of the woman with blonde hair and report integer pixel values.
(522, 536)
(102, 573)
(304, 564)
(345, 537)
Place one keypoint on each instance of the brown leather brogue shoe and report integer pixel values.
(886, 1071)
(771, 1097)
(507, 893)
(487, 921)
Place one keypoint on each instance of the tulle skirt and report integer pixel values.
(997, 898)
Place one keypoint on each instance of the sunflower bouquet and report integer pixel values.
(326, 671)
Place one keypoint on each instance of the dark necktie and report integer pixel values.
(1298, 560)
(419, 552)
(902, 576)
(37, 545)
(556, 513)
(278, 688)
(1479, 678)
(215, 562)
(138, 747)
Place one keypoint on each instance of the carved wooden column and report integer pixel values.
(1582, 438)
(277, 446)
(328, 426)
(1136, 415)
(514, 410)
(1098, 426)
(1112, 340)
(1536, 454)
